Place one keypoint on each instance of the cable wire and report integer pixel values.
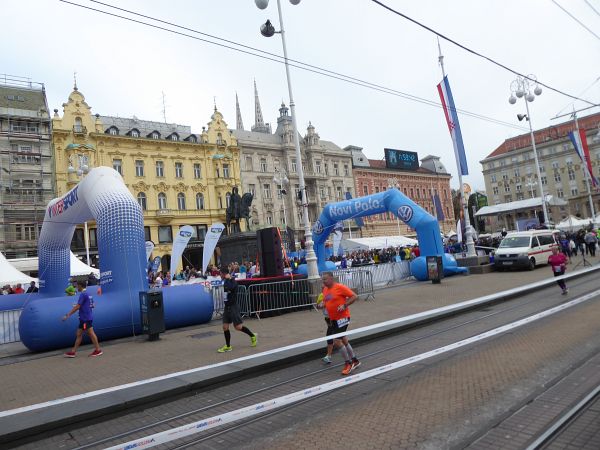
(576, 19)
(487, 58)
(591, 6)
(279, 59)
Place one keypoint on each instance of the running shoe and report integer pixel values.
(565, 292)
(327, 359)
(96, 353)
(355, 363)
(253, 340)
(70, 355)
(225, 348)
(347, 368)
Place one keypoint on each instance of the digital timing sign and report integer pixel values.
(401, 159)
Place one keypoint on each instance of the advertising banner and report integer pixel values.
(210, 242)
(155, 264)
(181, 241)
(337, 237)
(149, 249)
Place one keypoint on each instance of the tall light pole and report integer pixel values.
(280, 178)
(527, 88)
(82, 169)
(268, 30)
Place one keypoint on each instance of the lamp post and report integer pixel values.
(527, 88)
(82, 169)
(280, 178)
(268, 30)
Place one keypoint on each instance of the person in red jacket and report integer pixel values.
(558, 262)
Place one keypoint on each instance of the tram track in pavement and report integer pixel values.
(519, 305)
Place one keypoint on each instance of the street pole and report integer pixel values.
(588, 181)
(311, 257)
(537, 164)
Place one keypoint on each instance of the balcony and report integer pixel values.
(165, 215)
(79, 130)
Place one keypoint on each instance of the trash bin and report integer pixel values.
(434, 269)
(152, 313)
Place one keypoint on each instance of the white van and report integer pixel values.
(525, 249)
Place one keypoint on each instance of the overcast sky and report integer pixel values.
(122, 67)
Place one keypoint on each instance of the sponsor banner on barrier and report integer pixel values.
(210, 243)
(181, 240)
(149, 249)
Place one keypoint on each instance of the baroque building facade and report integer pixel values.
(178, 177)
(421, 185)
(26, 165)
(510, 175)
(268, 159)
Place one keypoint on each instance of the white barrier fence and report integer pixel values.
(386, 274)
(9, 326)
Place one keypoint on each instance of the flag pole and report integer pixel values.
(463, 203)
(587, 175)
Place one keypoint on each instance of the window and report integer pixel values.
(555, 164)
(147, 235)
(162, 201)
(542, 169)
(155, 135)
(199, 201)
(557, 177)
(77, 128)
(294, 166)
(336, 169)
(527, 156)
(199, 232)
(519, 188)
(197, 170)
(322, 193)
(544, 180)
(491, 165)
(506, 188)
(520, 197)
(181, 201)
(118, 166)
(502, 163)
(267, 191)
(571, 174)
(225, 170)
(493, 178)
(279, 193)
(135, 133)
(174, 137)
(365, 190)
(220, 139)
(495, 189)
(339, 194)
(160, 169)
(282, 216)
(569, 162)
(141, 198)
(327, 169)
(504, 177)
(269, 219)
(346, 170)
(113, 131)
(560, 193)
(252, 189)
(178, 170)
(249, 163)
(574, 191)
(318, 166)
(139, 168)
(263, 165)
(165, 234)
(377, 189)
(517, 172)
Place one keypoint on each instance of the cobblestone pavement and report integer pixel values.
(31, 379)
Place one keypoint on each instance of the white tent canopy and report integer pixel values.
(527, 204)
(379, 242)
(573, 223)
(77, 266)
(10, 275)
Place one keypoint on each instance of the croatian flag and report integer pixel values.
(579, 141)
(453, 125)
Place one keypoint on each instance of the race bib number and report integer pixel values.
(557, 269)
(343, 322)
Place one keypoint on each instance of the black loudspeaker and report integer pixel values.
(270, 254)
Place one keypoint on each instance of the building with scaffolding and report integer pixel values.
(26, 180)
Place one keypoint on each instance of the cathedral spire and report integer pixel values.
(239, 125)
(259, 125)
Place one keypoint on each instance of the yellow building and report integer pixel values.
(178, 177)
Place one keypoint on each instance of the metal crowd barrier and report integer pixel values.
(218, 295)
(266, 299)
(359, 280)
(9, 326)
(383, 275)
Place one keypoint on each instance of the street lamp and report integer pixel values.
(528, 88)
(268, 30)
(82, 169)
(280, 178)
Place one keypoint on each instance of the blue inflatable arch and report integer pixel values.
(101, 196)
(394, 201)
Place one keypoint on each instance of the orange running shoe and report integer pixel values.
(347, 368)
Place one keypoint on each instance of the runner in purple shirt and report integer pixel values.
(84, 306)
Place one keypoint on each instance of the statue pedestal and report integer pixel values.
(238, 247)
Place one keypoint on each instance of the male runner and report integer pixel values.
(337, 297)
(84, 306)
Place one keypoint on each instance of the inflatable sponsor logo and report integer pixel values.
(355, 207)
(64, 203)
(405, 213)
(318, 227)
(106, 277)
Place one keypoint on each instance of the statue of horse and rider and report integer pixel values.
(239, 208)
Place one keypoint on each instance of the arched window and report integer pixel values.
(181, 201)
(78, 127)
(162, 201)
(199, 201)
(141, 198)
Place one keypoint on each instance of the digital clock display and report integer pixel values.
(401, 159)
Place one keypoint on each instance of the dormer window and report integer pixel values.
(173, 137)
(191, 138)
(134, 133)
(154, 135)
(114, 131)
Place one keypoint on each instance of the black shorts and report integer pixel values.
(335, 328)
(231, 314)
(85, 324)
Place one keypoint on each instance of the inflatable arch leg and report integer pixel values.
(394, 201)
(101, 196)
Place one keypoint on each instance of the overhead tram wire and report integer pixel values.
(581, 93)
(294, 63)
(487, 58)
(576, 19)
(591, 6)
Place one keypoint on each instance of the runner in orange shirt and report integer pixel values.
(336, 299)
